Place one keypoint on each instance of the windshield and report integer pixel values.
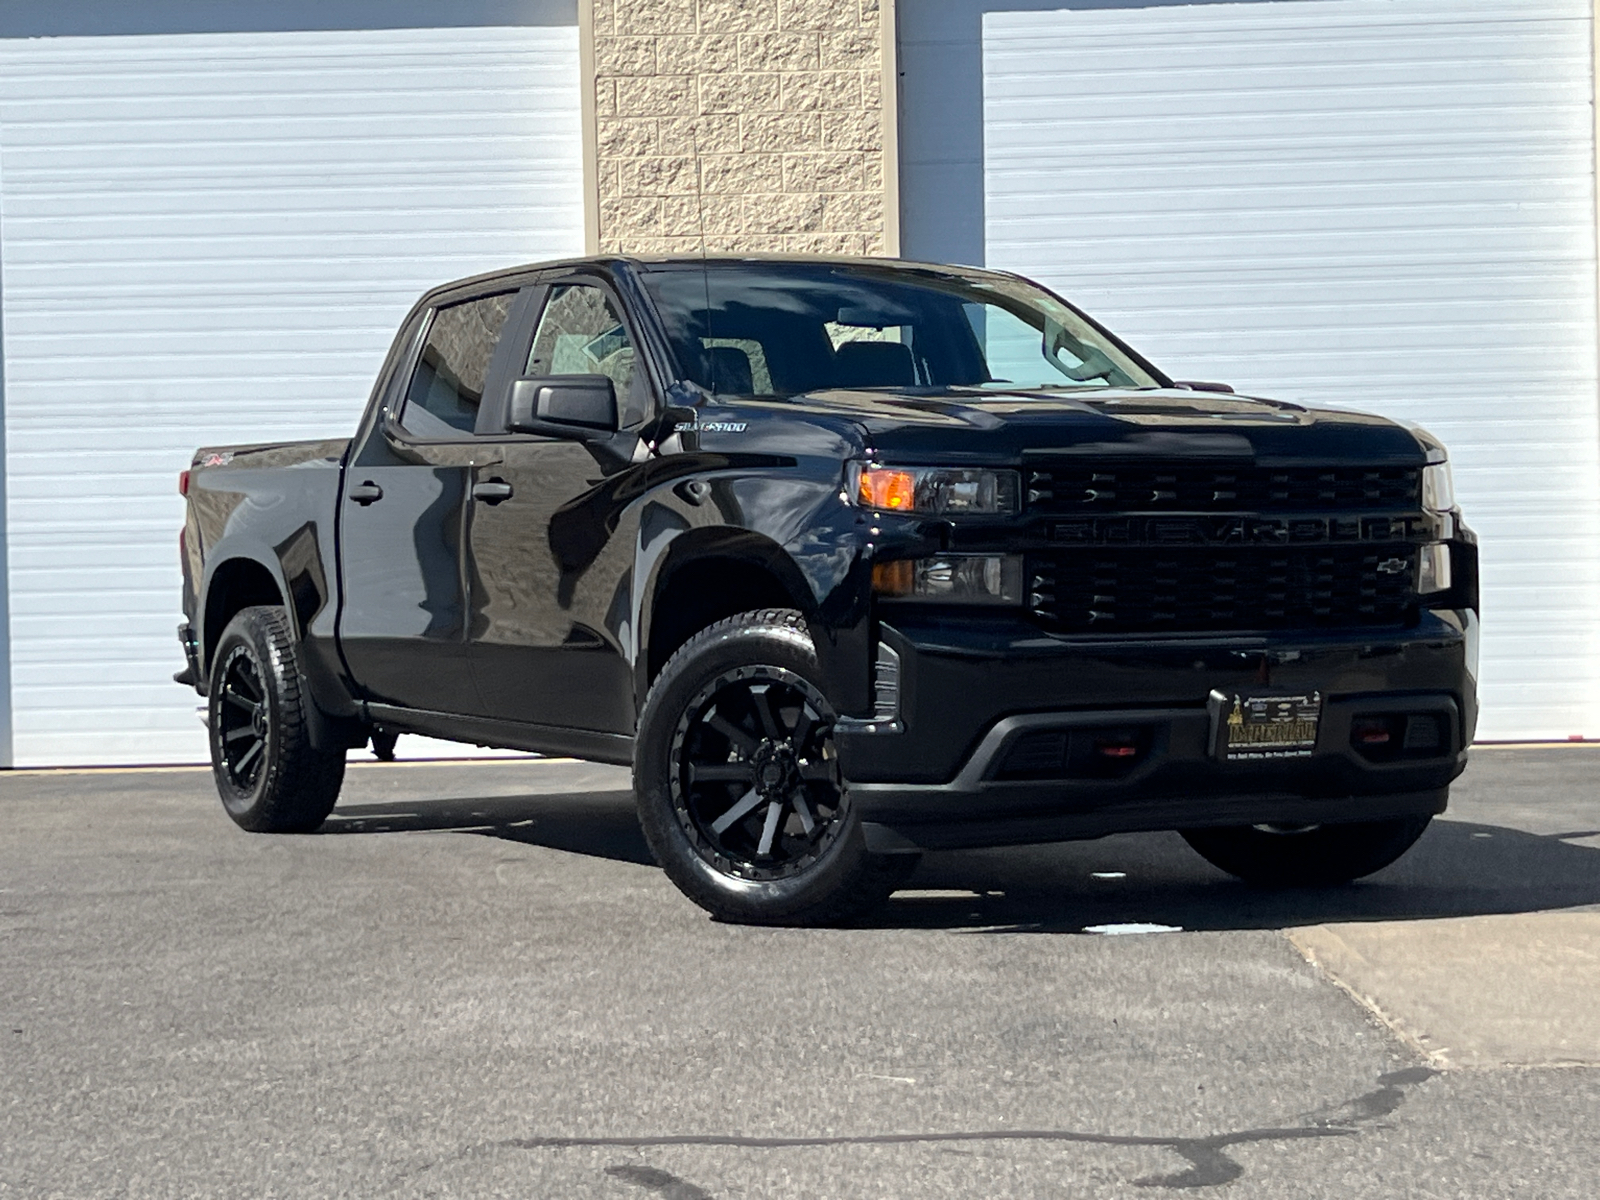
(779, 329)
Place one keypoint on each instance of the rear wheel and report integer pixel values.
(271, 778)
(738, 783)
(1306, 855)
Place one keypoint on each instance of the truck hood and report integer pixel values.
(961, 424)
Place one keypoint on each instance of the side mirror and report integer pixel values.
(572, 406)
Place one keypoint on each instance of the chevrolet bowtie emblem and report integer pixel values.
(1393, 566)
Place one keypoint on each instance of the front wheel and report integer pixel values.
(271, 778)
(1306, 855)
(738, 783)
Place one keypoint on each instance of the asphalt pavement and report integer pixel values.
(472, 982)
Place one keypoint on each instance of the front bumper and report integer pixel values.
(968, 761)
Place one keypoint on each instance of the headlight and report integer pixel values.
(951, 579)
(938, 491)
(1438, 491)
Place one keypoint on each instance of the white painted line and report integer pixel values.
(1561, 745)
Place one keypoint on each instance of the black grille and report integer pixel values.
(1187, 589)
(1170, 487)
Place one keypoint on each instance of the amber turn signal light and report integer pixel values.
(893, 578)
(884, 488)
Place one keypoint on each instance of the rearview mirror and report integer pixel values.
(573, 406)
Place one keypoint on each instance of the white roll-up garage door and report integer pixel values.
(1383, 204)
(209, 237)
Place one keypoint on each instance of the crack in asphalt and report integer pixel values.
(1209, 1162)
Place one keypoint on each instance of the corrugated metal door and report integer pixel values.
(1384, 204)
(210, 238)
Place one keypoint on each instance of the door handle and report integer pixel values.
(491, 491)
(366, 493)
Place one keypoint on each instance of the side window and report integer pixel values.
(581, 334)
(447, 387)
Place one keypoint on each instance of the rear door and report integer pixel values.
(403, 625)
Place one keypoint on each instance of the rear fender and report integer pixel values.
(295, 568)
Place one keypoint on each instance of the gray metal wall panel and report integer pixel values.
(1377, 203)
(210, 238)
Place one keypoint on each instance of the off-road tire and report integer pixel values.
(830, 877)
(1318, 856)
(285, 785)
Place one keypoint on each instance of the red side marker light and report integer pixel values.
(183, 483)
(1370, 731)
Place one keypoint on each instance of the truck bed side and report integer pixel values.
(260, 529)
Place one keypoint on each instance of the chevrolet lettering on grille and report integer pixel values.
(1231, 531)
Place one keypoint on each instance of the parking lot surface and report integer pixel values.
(471, 982)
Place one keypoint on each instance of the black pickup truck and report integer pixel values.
(847, 559)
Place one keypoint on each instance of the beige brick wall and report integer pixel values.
(758, 122)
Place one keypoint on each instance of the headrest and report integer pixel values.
(874, 364)
(730, 370)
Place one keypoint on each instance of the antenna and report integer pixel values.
(705, 272)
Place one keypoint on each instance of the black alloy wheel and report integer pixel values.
(755, 778)
(740, 790)
(244, 719)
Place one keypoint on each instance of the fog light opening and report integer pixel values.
(1386, 737)
(1423, 733)
(1116, 749)
(1370, 733)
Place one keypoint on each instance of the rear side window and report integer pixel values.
(448, 384)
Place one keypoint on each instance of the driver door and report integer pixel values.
(548, 571)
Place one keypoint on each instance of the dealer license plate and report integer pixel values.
(1266, 726)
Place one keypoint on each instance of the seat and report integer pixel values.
(874, 364)
(730, 371)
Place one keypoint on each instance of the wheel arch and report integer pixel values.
(236, 581)
(705, 576)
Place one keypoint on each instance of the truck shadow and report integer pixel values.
(599, 823)
(1458, 869)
